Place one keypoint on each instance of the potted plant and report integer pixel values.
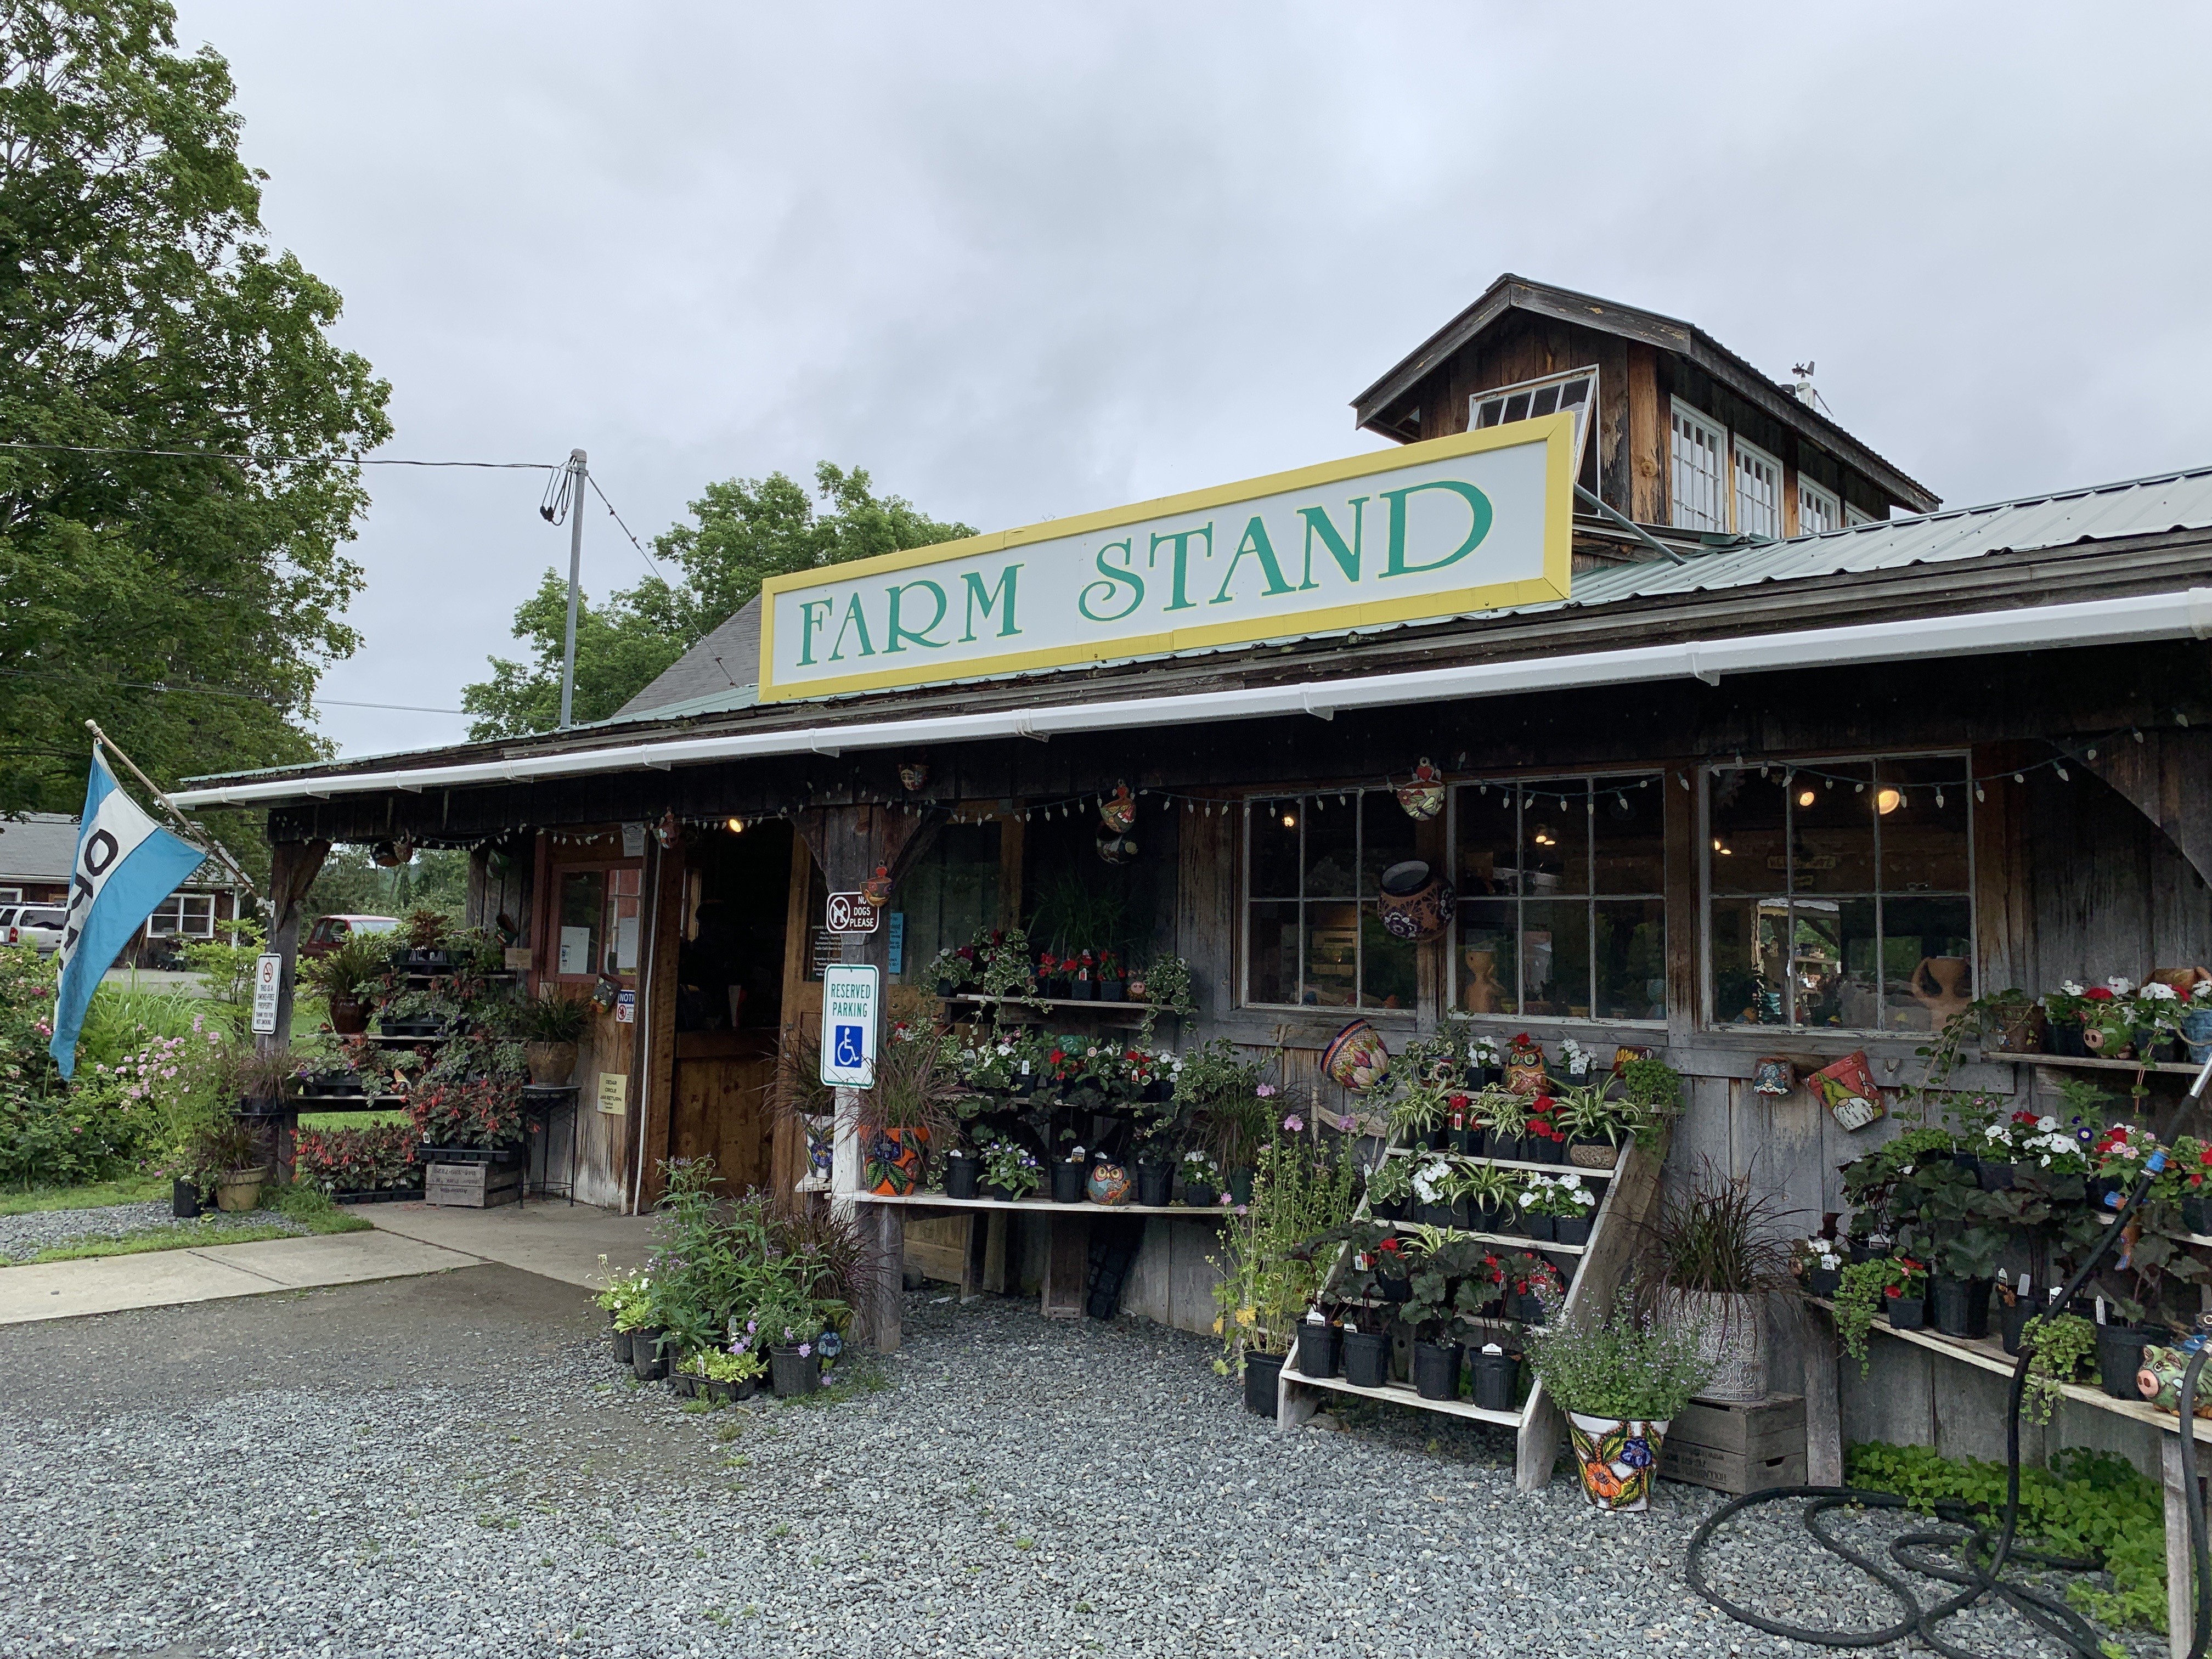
(963, 1171)
(1621, 1379)
(1492, 1195)
(347, 979)
(1566, 1201)
(1967, 1266)
(1653, 1091)
(550, 1026)
(1083, 984)
(1390, 1188)
(1903, 1282)
(1201, 1180)
(1485, 1065)
(1320, 1352)
(1011, 1171)
(1420, 1116)
(1818, 1264)
(260, 1079)
(425, 953)
(1543, 1139)
(1592, 1126)
(1069, 1173)
(911, 1103)
(1435, 1186)
(2059, 1345)
(1109, 976)
(1495, 1375)
(227, 1157)
(1504, 1114)
(1720, 1249)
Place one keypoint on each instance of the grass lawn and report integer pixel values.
(131, 1189)
(349, 1120)
(300, 1205)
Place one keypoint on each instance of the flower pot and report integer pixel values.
(1732, 1339)
(1540, 1227)
(1962, 1306)
(1593, 1154)
(1321, 1350)
(552, 1065)
(793, 1372)
(2064, 1037)
(1067, 1178)
(685, 1384)
(961, 1171)
(1082, 990)
(1616, 1458)
(2197, 1035)
(1432, 1215)
(1198, 1195)
(1115, 990)
(623, 1356)
(1542, 1149)
(948, 988)
(2012, 1320)
(1824, 1281)
(184, 1198)
(349, 1016)
(1261, 1372)
(2196, 1214)
(1355, 1057)
(991, 1190)
(1366, 1358)
(1436, 1369)
(1109, 1184)
(240, 1190)
(2119, 1357)
(1571, 1230)
(1995, 1177)
(1907, 1313)
(1416, 902)
(1470, 1142)
(895, 1161)
(1240, 1186)
(1496, 1379)
(1388, 1210)
(1509, 1147)
(647, 1362)
(1155, 1184)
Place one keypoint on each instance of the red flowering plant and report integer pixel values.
(1904, 1277)
(2120, 1152)
(470, 1095)
(378, 1158)
(1542, 1126)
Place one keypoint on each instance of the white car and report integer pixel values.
(37, 926)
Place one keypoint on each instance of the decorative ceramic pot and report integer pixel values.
(1593, 1154)
(2196, 1033)
(1423, 797)
(895, 1162)
(1417, 902)
(912, 775)
(2158, 1379)
(1773, 1076)
(1110, 1183)
(877, 889)
(1617, 1458)
(1944, 986)
(1355, 1057)
(821, 1143)
(551, 1064)
(1118, 811)
(349, 1016)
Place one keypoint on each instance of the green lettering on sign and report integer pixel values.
(1478, 506)
(855, 621)
(999, 594)
(808, 622)
(1347, 558)
(1180, 597)
(899, 633)
(1114, 580)
(1257, 543)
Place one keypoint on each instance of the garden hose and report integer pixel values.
(1979, 1578)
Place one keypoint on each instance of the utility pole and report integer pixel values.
(577, 478)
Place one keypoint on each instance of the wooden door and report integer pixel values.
(720, 1104)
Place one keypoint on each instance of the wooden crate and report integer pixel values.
(471, 1186)
(1737, 1448)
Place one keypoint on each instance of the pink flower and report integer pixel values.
(805, 1349)
(1295, 1124)
(1265, 1090)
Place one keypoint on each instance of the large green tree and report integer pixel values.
(142, 310)
(742, 532)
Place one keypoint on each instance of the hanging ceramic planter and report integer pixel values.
(912, 775)
(1423, 797)
(1118, 811)
(1616, 1458)
(1416, 902)
(1355, 1057)
(877, 889)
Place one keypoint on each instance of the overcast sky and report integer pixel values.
(1027, 260)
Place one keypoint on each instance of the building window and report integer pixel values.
(1313, 870)
(1575, 391)
(596, 925)
(1818, 510)
(1700, 471)
(1854, 515)
(189, 916)
(1561, 913)
(1757, 492)
(1841, 893)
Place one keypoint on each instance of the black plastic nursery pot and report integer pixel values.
(1571, 1230)
(1260, 1372)
(1542, 1228)
(184, 1199)
(991, 1190)
(1907, 1313)
(1321, 1349)
(622, 1347)
(2196, 1214)
(1507, 1147)
(1433, 1215)
(1366, 1358)
(1995, 1177)
(962, 1172)
(1542, 1149)
(1824, 1281)
(792, 1372)
(1199, 1195)
(685, 1383)
(646, 1360)
(1962, 1306)
(1394, 1210)
(1155, 1183)
(2012, 1320)
(1469, 1141)
(1436, 1369)
(1240, 1186)
(1496, 1379)
(1069, 1176)
(2119, 1356)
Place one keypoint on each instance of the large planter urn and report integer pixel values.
(1616, 1458)
(552, 1065)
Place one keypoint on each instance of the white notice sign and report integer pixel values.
(267, 980)
(851, 995)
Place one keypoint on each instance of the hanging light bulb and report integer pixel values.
(2134, 732)
(1978, 795)
(1886, 801)
(2061, 770)
(735, 825)
(2019, 777)
(2088, 754)
(1939, 797)
(1858, 788)
(1806, 797)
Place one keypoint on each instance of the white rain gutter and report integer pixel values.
(2184, 614)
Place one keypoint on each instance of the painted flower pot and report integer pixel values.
(1321, 1350)
(1571, 1230)
(1261, 1372)
(1617, 1459)
(1496, 1379)
(1907, 1313)
(793, 1372)
(1067, 1178)
(1436, 1369)
(1423, 797)
(1366, 1358)
(1961, 1306)
(1416, 902)
(821, 1145)
(1155, 1184)
(1109, 1184)
(1355, 1057)
(962, 1172)
(895, 1161)
(2196, 1034)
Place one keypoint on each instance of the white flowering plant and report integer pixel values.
(1565, 1196)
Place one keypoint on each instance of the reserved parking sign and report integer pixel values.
(850, 999)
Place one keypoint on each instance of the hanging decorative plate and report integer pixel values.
(1355, 1056)
(912, 775)
(1424, 797)
(1119, 811)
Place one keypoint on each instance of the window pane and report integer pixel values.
(1927, 953)
(1924, 846)
(1273, 962)
(1332, 849)
(1489, 965)
(1631, 959)
(1332, 955)
(1748, 845)
(1628, 840)
(1385, 838)
(1833, 962)
(583, 900)
(1488, 862)
(1274, 850)
(1749, 983)
(1388, 976)
(1555, 958)
(1555, 850)
(620, 933)
(1833, 821)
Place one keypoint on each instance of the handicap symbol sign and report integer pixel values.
(849, 1047)
(851, 1023)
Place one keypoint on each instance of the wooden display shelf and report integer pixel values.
(939, 1201)
(1537, 1245)
(1402, 1393)
(2069, 1062)
(1079, 1005)
(344, 1103)
(1529, 1165)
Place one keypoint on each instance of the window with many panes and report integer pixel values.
(1574, 392)
(1757, 492)
(1818, 509)
(1561, 914)
(1840, 892)
(1700, 471)
(597, 919)
(1313, 871)
(189, 914)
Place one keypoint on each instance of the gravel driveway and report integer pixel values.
(446, 1465)
(22, 1237)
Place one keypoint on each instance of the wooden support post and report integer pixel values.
(1066, 1266)
(886, 1304)
(2180, 1600)
(292, 867)
(994, 1253)
(1823, 1416)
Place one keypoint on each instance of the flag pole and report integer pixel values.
(198, 831)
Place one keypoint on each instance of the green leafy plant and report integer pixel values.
(1859, 1299)
(556, 1015)
(1300, 1188)
(353, 972)
(1717, 1233)
(2060, 1345)
(1011, 1167)
(1391, 1182)
(1621, 1364)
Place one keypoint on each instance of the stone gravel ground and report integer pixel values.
(22, 1237)
(449, 1466)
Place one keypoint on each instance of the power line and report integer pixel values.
(625, 529)
(197, 689)
(297, 460)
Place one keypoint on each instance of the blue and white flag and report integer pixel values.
(126, 865)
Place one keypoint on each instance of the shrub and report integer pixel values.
(355, 1160)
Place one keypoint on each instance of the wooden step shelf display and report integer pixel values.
(2084, 1063)
(1593, 1271)
(1040, 1008)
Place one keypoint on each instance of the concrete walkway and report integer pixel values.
(156, 1279)
(556, 1239)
